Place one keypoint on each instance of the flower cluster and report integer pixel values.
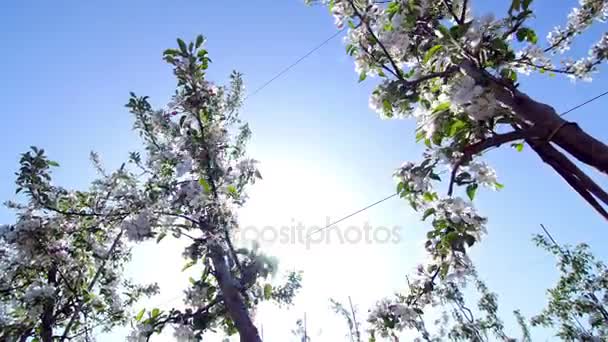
(387, 315)
(468, 97)
(579, 19)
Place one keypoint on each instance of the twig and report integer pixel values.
(91, 284)
(495, 140)
(352, 310)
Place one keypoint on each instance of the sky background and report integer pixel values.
(68, 66)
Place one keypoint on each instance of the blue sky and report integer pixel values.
(68, 67)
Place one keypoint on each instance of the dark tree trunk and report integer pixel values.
(233, 300)
(46, 318)
(567, 135)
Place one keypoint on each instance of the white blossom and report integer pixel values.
(140, 333)
(184, 166)
(139, 227)
(414, 180)
(483, 174)
(183, 333)
(39, 292)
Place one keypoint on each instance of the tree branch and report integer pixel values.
(549, 157)
(371, 32)
(567, 135)
(66, 331)
(471, 150)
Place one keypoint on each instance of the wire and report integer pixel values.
(282, 72)
(353, 214)
(584, 103)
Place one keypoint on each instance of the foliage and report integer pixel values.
(64, 256)
(456, 74)
(197, 175)
(62, 260)
(577, 304)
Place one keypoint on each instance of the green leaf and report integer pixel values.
(429, 197)
(469, 239)
(182, 45)
(161, 236)
(170, 52)
(499, 186)
(427, 213)
(442, 107)
(515, 5)
(232, 190)
(188, 265)
(267, 291)
(362, 77)
(53, 163)
(140, 314)
(451, 237)
(205, 185)
(471, 190)
(393, 8)
(199, 41)
(518, 146)
(509, 74)
(420, 135)
(526, 4)
(442, 31)
(456, 126)
(431, 52)
(527, 34)
(155, 312)
(387, 106)
(400, 187)
(350, 49)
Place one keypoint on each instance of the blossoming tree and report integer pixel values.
(62, 261)
(189, 183)
(196, 174)
(457, 75)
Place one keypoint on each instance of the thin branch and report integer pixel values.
(591, 294)
(429, 76)
(451, 11)
(352, 310)
(371, 32)
(185, 217)
(84, 214)
(91, 285)
(464, 11)
(495, 140)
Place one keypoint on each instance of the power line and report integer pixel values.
(353, 214)
(584, 103)
(282, 72)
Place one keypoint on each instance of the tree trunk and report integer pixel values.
(567, 135)
(46, 318)
(235, 305)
